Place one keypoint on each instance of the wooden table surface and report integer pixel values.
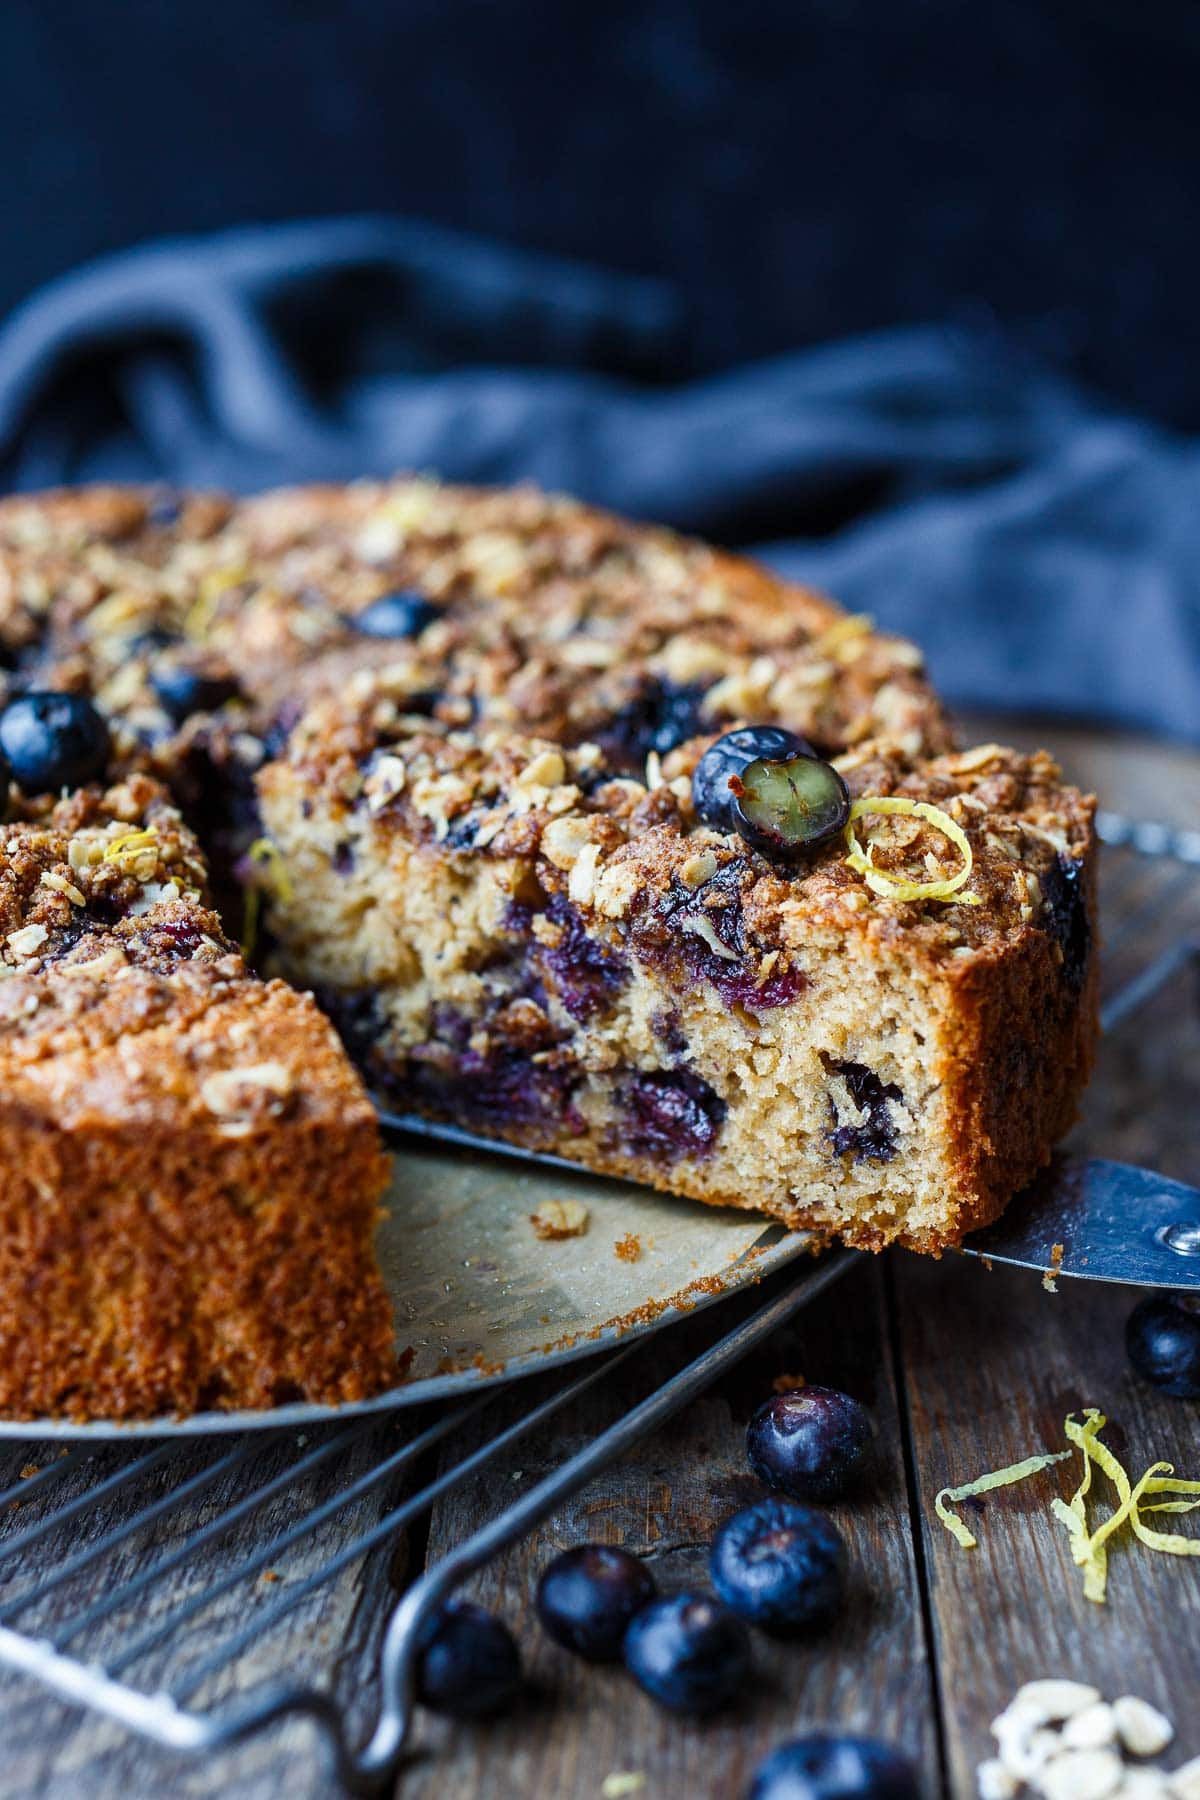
(964, 1369)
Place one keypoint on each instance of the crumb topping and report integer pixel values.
(543, 615)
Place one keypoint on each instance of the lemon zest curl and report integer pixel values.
(1089, 1548)
(892, 887)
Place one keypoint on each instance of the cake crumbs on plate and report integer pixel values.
(629, 1247)
(555, 1219)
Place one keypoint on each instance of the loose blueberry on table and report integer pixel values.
(588, 1596)
(781, 1565)
(52, 741)
(834, 1768)
(468, 1666)
(1162, 1340)
(814, 1443)
(688, 1652)
(403, 614)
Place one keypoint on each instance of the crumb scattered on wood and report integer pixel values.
(560, 1219)
(621, 1783)
(629, 1247)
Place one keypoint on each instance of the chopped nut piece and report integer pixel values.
(1142, 1729)
(995, 1781)
(1054, 1698)
(1185, 1781)
(547, 770)
(696, 925)
(1092, 1729)
(563, 839)
(257, 1091)
(1080, 1775)
(560, 1219)
(27, 941)
(698, 869)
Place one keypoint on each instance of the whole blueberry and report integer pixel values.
(588, 1595)
(182, 691)
(1162, 1339)
(688, 1652)
(834, 1768)
(468, 1665)
(712, 795)
(404, 614)
(53, 741)
(814, 1444)
(780, 1565)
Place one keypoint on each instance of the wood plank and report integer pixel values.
(992, 1364)
(664, 1501)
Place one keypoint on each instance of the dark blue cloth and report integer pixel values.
(1043, 549)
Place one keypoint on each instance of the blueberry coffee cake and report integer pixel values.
(584, 835)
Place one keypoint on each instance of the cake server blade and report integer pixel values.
(1099, 1221)
(1083, 1217)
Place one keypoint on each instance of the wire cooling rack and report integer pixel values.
(105, 1564)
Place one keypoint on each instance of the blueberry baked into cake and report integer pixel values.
(584, 836)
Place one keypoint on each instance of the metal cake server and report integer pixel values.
(1083, 1217)
(1100, 1221)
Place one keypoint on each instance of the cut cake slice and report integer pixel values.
(191, 1174)
(515, 939)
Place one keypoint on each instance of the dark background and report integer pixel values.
(803, 170)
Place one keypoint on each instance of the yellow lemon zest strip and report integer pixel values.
(1089, 1549)
(263, 852)
(891, 887)
(129, 843)
(199, 615)
(1032, 1465)
(1073, 1512)
(1173, 1543)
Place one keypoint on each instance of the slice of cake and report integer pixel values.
(191, 1171)
(879, 1034)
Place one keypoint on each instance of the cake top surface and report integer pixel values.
(632, 848)
(518, 608)
(511, 674)
(122, 998)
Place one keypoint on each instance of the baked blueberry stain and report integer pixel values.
(497, 1088)
(670, 1115)
(677, 929)
(582, 972)
(586, 973)
(875, 1139)
(1066, 917)
(660, 716)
